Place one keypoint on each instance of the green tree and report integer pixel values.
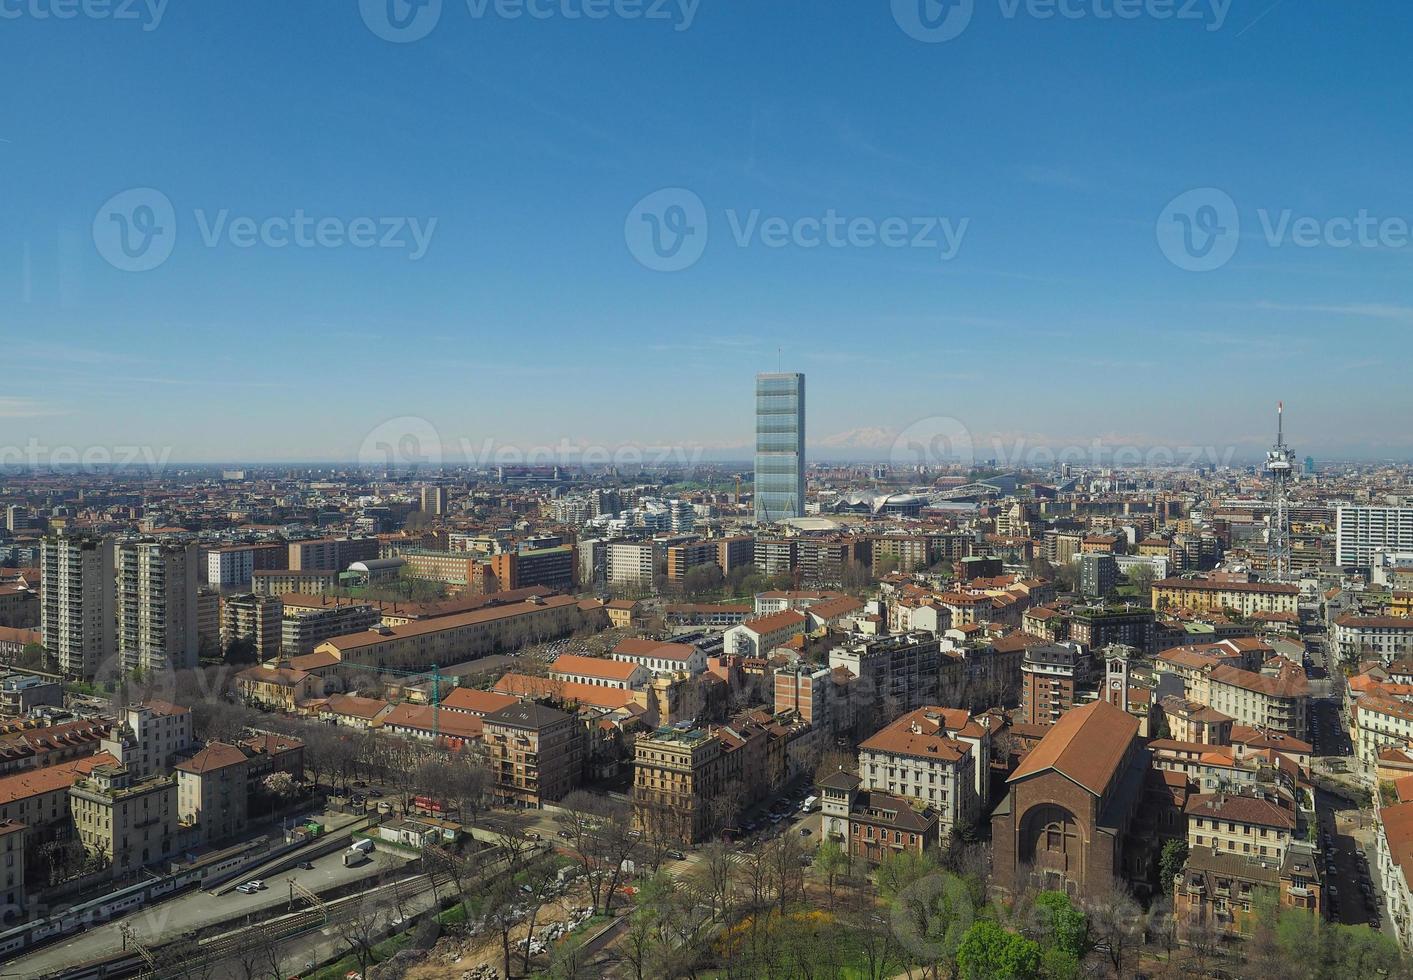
(901, 870)
(931, 917)
(830, 864)
(1171, 862)
(988, 952)
(1060, 925)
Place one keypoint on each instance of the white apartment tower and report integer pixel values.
(76, 617)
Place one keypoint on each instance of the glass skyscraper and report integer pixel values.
(780, 446)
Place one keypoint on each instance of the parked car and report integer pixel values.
(532, 835)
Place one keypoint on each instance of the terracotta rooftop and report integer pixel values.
(1087, 745)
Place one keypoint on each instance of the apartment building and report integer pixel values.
(233, 567)
(1359, 638)
(1051, 677)
(22, 693)
(550, 568)
(1097, 627)
(257, 618)
(213, 792)
(148, 738)
(633, 564)
(893, 674)
(757, 637)
(12, 888)
(687, 555)
(939, 758)
(282, 581)
(304, 626)
(19, 606)
(1246, 824)
(129, 822)
(536, 754)
(688, 783)
(433, 500)
(156, 606)
(1208, 595)
(1380, 721)
(1394, 867)
(456, 638)
(330, 554)
(1261, 700)
(77, 617)
(871, 825)
(1361, 532)
(39, 797)
(1224, 890)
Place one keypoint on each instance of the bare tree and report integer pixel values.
(359, 926)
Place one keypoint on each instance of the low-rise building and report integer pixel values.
(130, 823)
(278, 688)
(213, 792)
(940, 758)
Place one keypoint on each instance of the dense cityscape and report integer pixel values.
(777, 718)
(680, 490)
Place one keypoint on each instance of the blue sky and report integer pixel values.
(1056, 143)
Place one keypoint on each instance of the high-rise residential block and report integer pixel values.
(158, 621)
(76, 615)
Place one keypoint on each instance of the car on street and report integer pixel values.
(677, 855)
(306, 865)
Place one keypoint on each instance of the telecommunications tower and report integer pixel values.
(1280, 463)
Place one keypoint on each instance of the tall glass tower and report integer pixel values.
(780, 446)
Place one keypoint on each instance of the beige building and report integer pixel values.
(939, 758)
(278, 688)
(1205, 595)
(128, 822)
(1275, 701)
(1232, 823)
(467, 636)
(212, 791)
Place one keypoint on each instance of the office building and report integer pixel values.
(76, 616)
(780, 447)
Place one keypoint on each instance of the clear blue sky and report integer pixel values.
(528, 320)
